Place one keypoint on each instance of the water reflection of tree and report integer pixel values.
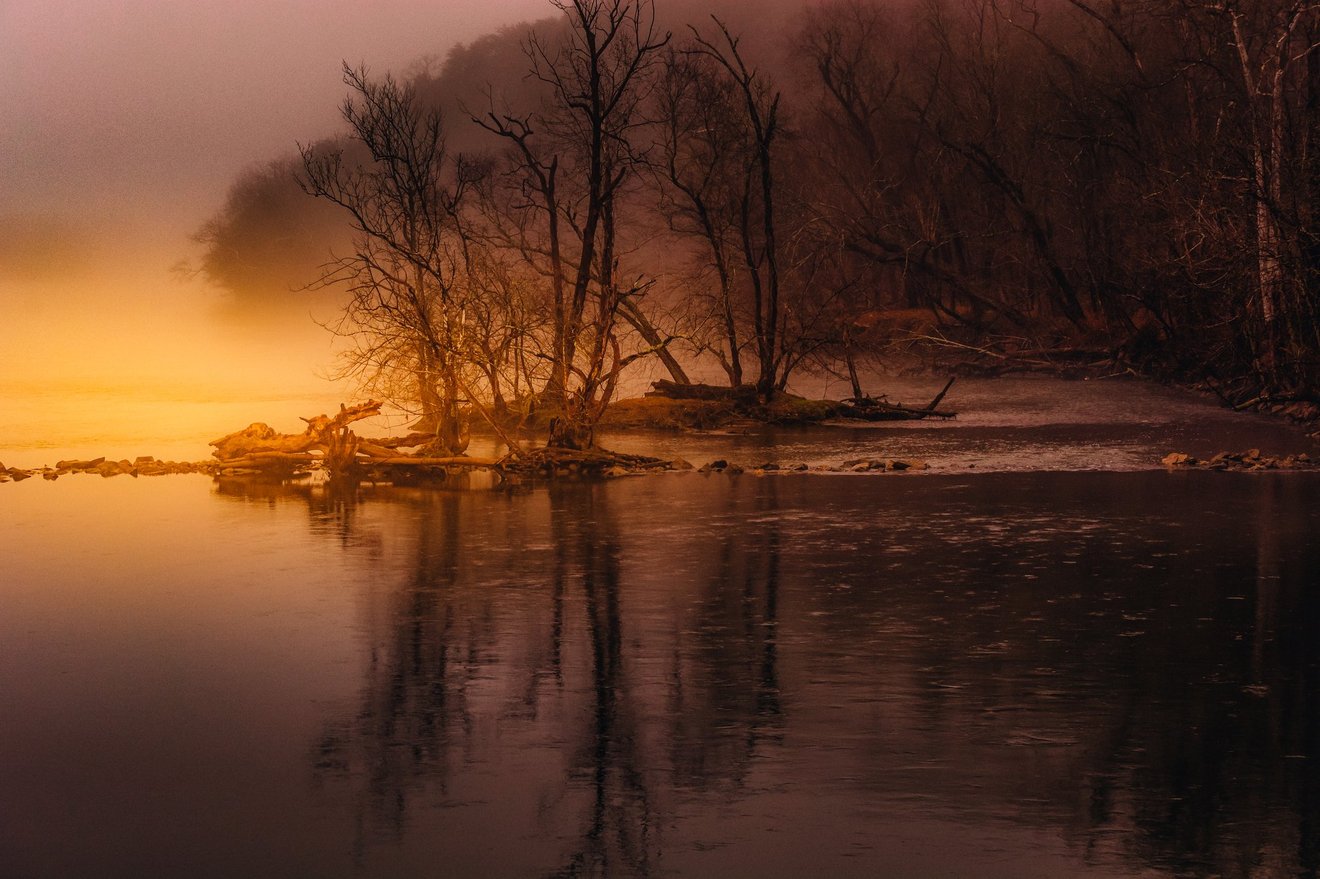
(331, 507)
(725, 699)
(1197, 739)
(1180, 745)
(615, 837)
(585, 684)
(414, 707)
(1227, 783)
(1159, 696)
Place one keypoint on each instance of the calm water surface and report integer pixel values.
(1040, 674)
(999, 670)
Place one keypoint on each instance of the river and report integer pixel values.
(1046, 656)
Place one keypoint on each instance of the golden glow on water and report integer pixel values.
(1000, 676)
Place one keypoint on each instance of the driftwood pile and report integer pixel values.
(329, 444)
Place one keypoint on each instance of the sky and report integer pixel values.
(145, 110)
(125, 122)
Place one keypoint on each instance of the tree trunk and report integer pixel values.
(637, 319)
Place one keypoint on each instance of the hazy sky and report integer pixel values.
(122, 125)
(138, 111)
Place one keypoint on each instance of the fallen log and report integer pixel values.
(271, 461)
(372, 449)
(930, 407)
(675, 391)
(404, 442)
(891, 412)
(322, 425)
(870, 409)
(291, 457)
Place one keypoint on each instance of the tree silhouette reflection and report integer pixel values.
(725, 699)
(605, 666)
(615, 837)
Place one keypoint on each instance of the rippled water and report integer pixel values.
(990, 675)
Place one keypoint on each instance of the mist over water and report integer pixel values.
(127, 125)
(126, 356)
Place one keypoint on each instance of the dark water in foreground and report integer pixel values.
(1003, 675)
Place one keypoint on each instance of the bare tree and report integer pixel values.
(1272, 41)
(701, 166)
(760, 102)
(408, 273)
(569, 164)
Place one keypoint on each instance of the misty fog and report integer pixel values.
(132, 123)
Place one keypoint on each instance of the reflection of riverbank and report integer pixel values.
(1007, 675)
(1091, 655)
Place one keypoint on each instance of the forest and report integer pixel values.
(1130, 184)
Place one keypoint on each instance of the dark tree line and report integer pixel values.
(1134, 169)
(1131, 176)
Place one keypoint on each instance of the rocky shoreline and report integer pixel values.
(1252, 459)
(588, 466)
(582, 466)
(143, 465)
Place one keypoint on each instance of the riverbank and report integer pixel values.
(1008, 424)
